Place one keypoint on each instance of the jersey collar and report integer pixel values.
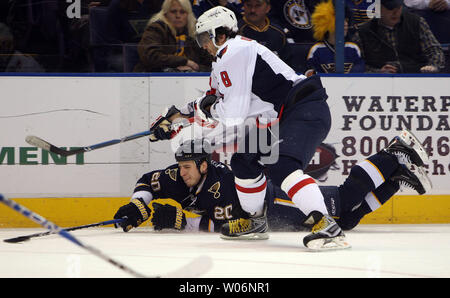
(255, 28)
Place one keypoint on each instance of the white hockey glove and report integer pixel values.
(202, 110)
(160, 129)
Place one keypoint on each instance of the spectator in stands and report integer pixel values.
(38, 28)
(399, 42)
(295, 18)
(200, 6)
(437, 14)
(321, 57)
(168, 42)
(119, 16)
(434, 5)
(256, 25)
(12, 60)
(359, 11)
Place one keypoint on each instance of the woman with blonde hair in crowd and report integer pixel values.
(168, 42)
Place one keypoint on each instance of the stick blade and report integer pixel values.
(38, 142)
(17, 239)
(194, 268)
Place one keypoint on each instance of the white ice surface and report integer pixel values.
(377, 251)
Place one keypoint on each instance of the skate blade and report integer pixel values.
(423, 178)
(251, 236)
(412, 141)
(325, 244)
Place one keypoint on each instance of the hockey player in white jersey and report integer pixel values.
(248, 81)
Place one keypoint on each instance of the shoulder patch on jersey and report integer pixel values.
(215, 190)
(172, 173)
(222, 52)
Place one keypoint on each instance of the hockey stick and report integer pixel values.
(56, 229)
(27, 237)
(40, 143)
(196, 267)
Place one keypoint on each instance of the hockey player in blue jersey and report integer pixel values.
(205, 190)
(370, 184)
(202, 187)
(321, 56)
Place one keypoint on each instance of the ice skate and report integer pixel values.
(408, 149)
(253, 228)
(417, 180)
(325, 233)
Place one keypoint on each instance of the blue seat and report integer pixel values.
(106, 50)
(130, 56)
(98, 25)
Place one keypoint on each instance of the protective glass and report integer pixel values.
(203, 38)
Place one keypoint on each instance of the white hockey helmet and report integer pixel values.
(212, 19)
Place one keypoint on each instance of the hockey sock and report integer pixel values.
(250, 182)
(251, 193)
(301, 188)
(365, 177)
(372, 201)
(381, 195)
(304, 192)
(384, 162)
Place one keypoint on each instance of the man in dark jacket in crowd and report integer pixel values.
(399, 42)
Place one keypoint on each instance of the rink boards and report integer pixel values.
(76, 111)
(68, 212)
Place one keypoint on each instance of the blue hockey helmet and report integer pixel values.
(198, 150)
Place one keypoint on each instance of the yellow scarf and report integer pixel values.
(181, 40)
